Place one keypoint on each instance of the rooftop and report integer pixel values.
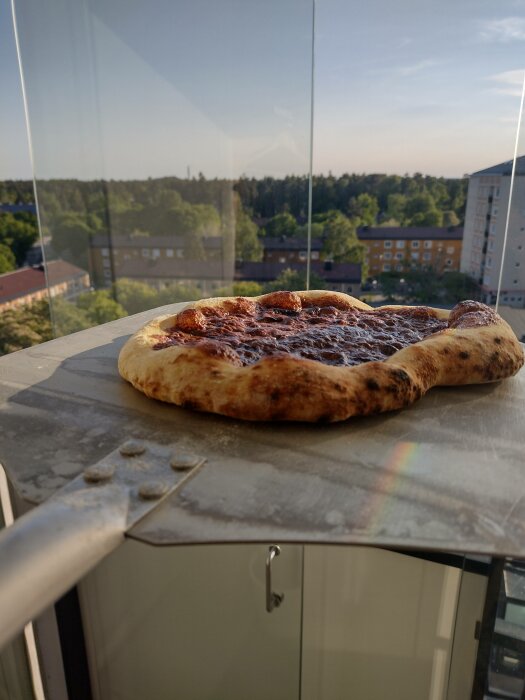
(420, 233)
(504, 168)
(28, 280)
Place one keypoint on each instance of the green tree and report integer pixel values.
(24, 326)
(135, 296)
(340, 242)
(177, 292)
(247, 289)
(100, 307)
(248, 247)
(18, 234)
(396, 207)
(70, 236)
(450, 218)
(7, 259)
(294, 281)
(281, 225)
(68, 318)
(364, 209)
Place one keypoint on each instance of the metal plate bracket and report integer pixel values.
(49, 549)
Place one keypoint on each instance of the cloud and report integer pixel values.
(418, 67)
(503, 30)
(510, 82)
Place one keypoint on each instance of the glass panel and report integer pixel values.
(191, 622)
(506, 672)
(376, 620)
(161, 137)
(414, 103)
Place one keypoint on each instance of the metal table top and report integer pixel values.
(447, 474)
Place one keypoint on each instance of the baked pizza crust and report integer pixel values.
(290, 388)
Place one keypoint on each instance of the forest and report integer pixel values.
(242, 213)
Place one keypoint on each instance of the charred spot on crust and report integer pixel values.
(275, 395)
(324, 418)
(192, 405)
(497, 341)
(372, 384)
(400, 375)
(464, 355)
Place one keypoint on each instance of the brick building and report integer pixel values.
(400, 249)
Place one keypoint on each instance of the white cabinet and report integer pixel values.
(190, 623)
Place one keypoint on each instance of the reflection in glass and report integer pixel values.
(160, 154)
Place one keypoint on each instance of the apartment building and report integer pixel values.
(291, 250)
(488, 200)
(108, 257)
(398, 249)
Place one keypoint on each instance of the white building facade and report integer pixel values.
(488, 200)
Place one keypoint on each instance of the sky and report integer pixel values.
(129, 89)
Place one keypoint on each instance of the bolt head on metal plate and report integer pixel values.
(153, 490)
(181, 461)
(103, 471)
(132, 448)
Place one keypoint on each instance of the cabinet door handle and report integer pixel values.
(273, 600)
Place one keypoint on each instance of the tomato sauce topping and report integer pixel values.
(247, 331)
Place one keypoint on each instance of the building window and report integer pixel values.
(387, 256)
(155, 253)
(388, 244)
(427, 256)
(491, 245)
(415, 244)
(493, 228)
(303, 255)
(386, 267)
(427, 244)
(376, 244)
(105, 252)
(315, 255)
(515, 281)
(450, 249)
(399, 268)
(399, 256)
(106, 263)
(145, 252)
(518, 264)
(282, 259)
(448, 262)
(180, 252)
(414, 256)
(400, 244)
(169, 252)
(488, 262)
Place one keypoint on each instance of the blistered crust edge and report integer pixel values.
(295, 389)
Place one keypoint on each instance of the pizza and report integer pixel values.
(314, 356)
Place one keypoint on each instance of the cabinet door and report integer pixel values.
(379, 625)
(190, 623)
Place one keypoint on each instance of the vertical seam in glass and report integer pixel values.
(511, 191)
(301, 625)
(32, 160)
(310, 175)
(29, 634)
